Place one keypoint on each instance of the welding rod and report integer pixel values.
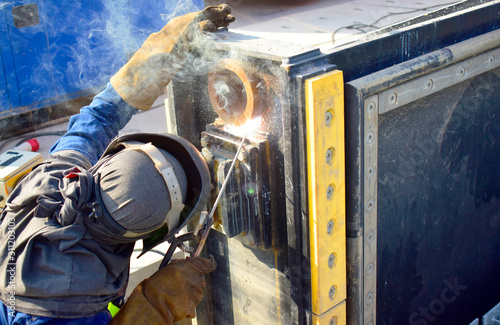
(210, 217)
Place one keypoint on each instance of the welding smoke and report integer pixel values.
(77, 47)
(222, 91)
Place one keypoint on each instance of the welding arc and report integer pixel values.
(210, 217)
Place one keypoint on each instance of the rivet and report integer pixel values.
(329, 155)
(429, 84)
(370, 205)
(461, 72)
(331, 260)
(491, 60)
(330, 191)
(371, 171)
(370, 238)
(329, 227)
(369, 298)
(329, 117)
(393, 99)
(371, 107)
(333, 321)
(370, 268)
(370, 137)
(331, 292)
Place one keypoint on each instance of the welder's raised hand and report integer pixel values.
(169, 295)
(144, 77)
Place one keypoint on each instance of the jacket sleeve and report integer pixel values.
(90, 131)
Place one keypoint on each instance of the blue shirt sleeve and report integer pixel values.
(90, 131)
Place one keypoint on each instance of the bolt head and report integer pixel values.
(429, 84)
(370, 268)
(371, 171)
(369, 297)
(370, 238)
(491, 60)
(370, 137)
(371, 107)
(330, 226)
(393, 99)
(329, 117)
(331, 260)
(331, 292)
(330, 191)
(329, 156)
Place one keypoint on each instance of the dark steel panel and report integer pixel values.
(437, 187)
(439, 191)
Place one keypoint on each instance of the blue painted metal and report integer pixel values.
(4, 95)
(74, 48)
(31, 57)
(11, 89)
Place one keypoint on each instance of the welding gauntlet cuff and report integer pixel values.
(169, 295)
(144, 77)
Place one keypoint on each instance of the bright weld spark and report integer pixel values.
(248, 127)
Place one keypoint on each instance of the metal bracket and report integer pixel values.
(370, 157)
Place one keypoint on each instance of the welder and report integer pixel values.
(69, 227)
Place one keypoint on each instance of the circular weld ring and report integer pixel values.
(238, 108)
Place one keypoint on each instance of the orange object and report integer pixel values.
(234, 92)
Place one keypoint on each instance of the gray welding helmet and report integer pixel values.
(149, 186)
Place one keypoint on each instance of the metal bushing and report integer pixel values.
(234, 92)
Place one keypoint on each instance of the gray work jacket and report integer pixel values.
(50, 263)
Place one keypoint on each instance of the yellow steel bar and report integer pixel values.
(326, 185)
(335, 316)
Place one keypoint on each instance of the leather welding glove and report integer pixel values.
(144, 77)
(168, 296)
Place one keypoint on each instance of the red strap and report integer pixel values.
(73, 173)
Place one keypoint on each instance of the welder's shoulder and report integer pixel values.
(66, 159)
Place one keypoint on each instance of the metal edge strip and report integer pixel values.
(436, 81)
(370, 158)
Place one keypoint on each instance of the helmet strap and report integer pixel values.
(167, 171)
